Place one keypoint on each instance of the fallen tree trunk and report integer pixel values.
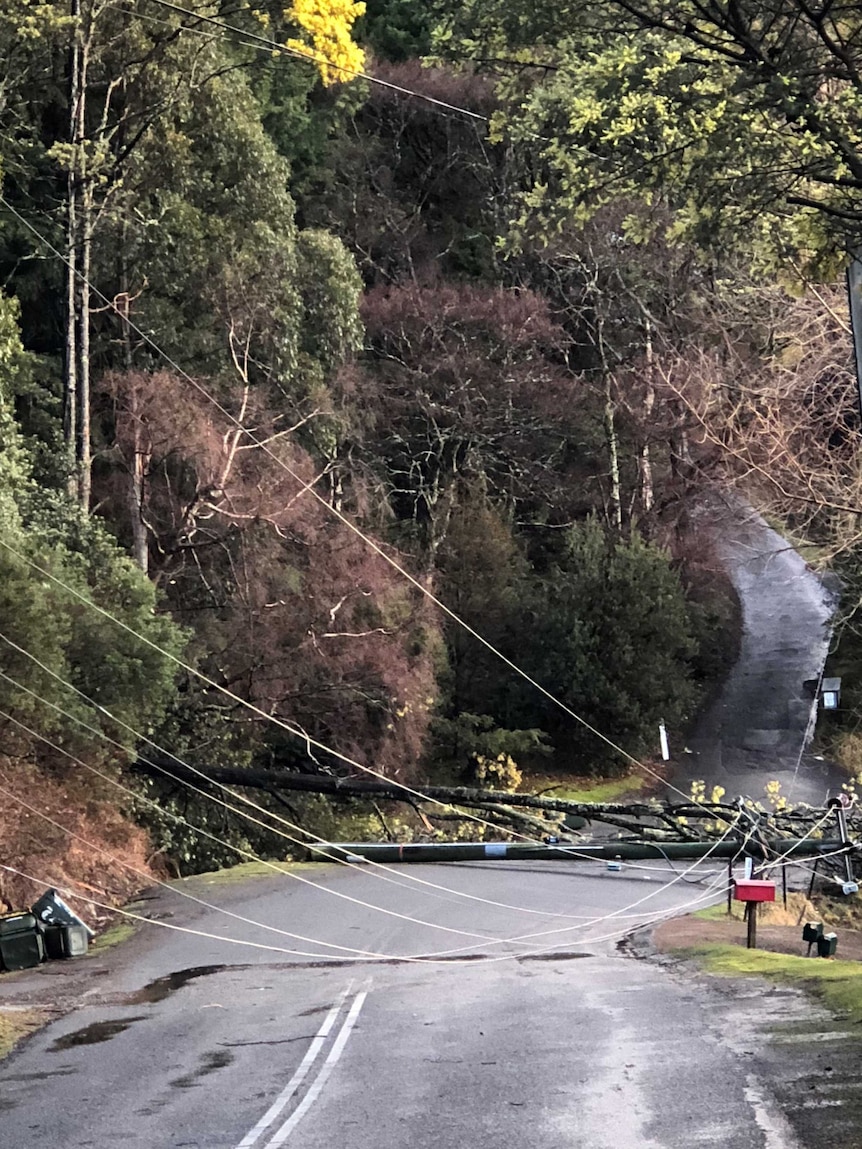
(627, 816)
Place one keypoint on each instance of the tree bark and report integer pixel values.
(83, 456)
(140, 456)
(609, 422)
(647, 489)
(624, 816)
(70, 365)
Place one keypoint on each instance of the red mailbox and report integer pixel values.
(752, 890)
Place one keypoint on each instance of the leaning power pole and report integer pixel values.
(628, 851)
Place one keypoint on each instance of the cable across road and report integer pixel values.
(579, 921)
(306, 487)
(309, 488)
(375, 865)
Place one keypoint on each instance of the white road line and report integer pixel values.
(299, 1076)
(317, 1085)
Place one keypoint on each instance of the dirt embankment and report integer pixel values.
(54, 831)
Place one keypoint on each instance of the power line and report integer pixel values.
(575, 854)
(366, 539)
(243, 853)
(228, 790)
(312, 57)
(583, 924)
(184, 893)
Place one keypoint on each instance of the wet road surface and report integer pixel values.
(760, 726)
(552, 1038)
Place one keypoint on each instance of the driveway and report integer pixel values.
(760, 726)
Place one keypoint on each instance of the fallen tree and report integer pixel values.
(536, 815)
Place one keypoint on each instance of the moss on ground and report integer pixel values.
(245, 871)
(115, 935)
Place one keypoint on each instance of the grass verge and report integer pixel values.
(837, 983)
(584, 790)
(115, 935)
(244, 872)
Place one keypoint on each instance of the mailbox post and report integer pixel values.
(812, 932)
(752, 891)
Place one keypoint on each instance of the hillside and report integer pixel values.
(317, 361)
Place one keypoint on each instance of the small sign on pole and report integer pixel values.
(662, 733)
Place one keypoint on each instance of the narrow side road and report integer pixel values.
(759, 727)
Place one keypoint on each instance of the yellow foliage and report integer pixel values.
(327, 25)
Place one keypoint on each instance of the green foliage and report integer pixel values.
(125, 676)
(467, 435)
(612, 640)
(838, 983)
(173, 815)
(396, 30)
(716, 110)
(489, 752)
(329, 288)
(500, 773)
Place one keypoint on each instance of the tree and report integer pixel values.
(611, 632)
(126, 676)
(746, 117)
(462, 385)
(413, 194)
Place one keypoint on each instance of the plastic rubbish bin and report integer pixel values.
(21, 944)
(51, 910)
(65, 941)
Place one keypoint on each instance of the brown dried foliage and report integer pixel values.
(290, 610)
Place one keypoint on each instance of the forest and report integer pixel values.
(365, 371)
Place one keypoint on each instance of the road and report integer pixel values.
(758, 728)
(524, 1025)
(556, 1038)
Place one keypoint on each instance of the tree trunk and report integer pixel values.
(70, 349)
(625, 816)
(83, 457)
(140, 456)
(647, 488)
(79, 223)
(609, 420)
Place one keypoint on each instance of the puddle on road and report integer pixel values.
(163, 987)
(93, 1034)
(216, 1059)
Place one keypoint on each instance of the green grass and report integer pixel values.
(244, 872)
(837, 983)
(611, 790)
(718, 913)
(115, 935)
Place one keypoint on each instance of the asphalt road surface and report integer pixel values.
(760, 726)
(509, 1017)
(530, 1028)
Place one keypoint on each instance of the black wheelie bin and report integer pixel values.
(21, 944)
